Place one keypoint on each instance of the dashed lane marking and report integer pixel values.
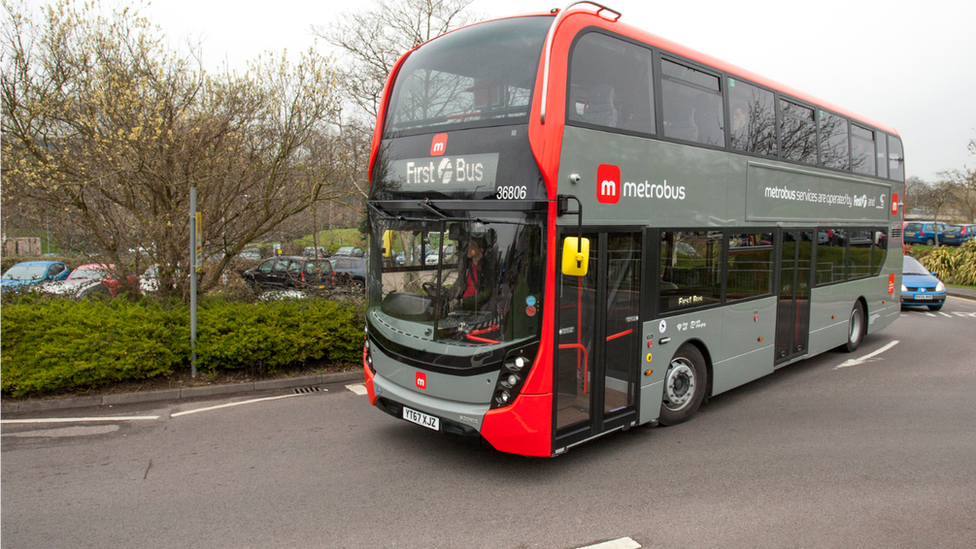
(622, 543)
(78, 419)
(358, 388)
(865, 358)
(207, 409)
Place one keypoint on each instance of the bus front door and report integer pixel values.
(793, 306)
(597, 340)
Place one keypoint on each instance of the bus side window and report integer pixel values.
(611, 84)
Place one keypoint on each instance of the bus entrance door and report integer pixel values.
(793, 307)
(597, 340)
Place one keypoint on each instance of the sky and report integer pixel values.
(906, 64)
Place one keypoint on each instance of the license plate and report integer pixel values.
(910, 233)
(922, 297)
(422, 419)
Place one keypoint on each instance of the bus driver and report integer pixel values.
(475, 277)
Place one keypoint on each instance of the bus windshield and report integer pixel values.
(476, 76)
(465, 283)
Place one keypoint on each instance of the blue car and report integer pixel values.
(919, 286)
(29, 273)
(956, 235)
(923, 232)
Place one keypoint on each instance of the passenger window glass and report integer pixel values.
(693, 108)
(881, 143)
(896, 159)
(862, 150)
(833, 141)
(753, 118)
(880, 251)
(749, 272)
(859, 254)
(611, 84)
(831, 245)
(266, 266)
(690, 269)
(798, 132)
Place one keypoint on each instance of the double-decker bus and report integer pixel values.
(578, 227)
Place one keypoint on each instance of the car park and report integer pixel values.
(923, 232)
(29, 273)
(319, 252)
(919, 286)
(89, 280)
(956, 235)
(291, 272)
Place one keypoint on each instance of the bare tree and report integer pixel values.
(373, 39)
(102, 123)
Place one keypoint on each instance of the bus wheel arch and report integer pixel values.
(686, 384)
(857, 326)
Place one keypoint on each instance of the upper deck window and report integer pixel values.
(753, 115)
(798, 132)
(611, 84)
(862, 150)
(481, 75)
(693, 107)
(834, 147)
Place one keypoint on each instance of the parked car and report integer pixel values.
(919, 286)
(319, 253)
(956, 235)
(353, 251)
(28, 273)
(290, 272)
(88, 280)
(250, 254)
(923, 232)
(350, 270)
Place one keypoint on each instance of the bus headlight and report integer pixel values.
(515, 369)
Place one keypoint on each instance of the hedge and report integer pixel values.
(58, 345)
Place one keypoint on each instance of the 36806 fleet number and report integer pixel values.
(512, 192)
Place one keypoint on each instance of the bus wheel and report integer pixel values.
(684, 386)
(855, 329)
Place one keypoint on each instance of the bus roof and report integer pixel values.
(706, 59)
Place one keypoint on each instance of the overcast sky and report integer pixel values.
(907, 64)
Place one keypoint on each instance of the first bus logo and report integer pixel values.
(608, 184)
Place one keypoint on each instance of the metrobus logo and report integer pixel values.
(439, 145)
(421, 380)
(608, 184)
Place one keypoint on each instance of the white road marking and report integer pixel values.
(930, 314)
(76, 431)
(207, 409)
(622, 543)
(865, 358)
(359, 389)
(79, 419)
(946, 315)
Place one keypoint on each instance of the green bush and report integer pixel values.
(953, 265)
(56, 345)
(53, 345)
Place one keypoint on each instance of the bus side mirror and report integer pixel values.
(387, 243)
(576, 256)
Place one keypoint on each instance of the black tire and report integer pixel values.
(930, 242)
(936, 307)
(684, 386)
(856, 328)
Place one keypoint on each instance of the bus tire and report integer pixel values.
(684, 386)
(855, 328)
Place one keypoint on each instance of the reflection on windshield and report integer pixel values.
(469, 283)
(912, 266)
